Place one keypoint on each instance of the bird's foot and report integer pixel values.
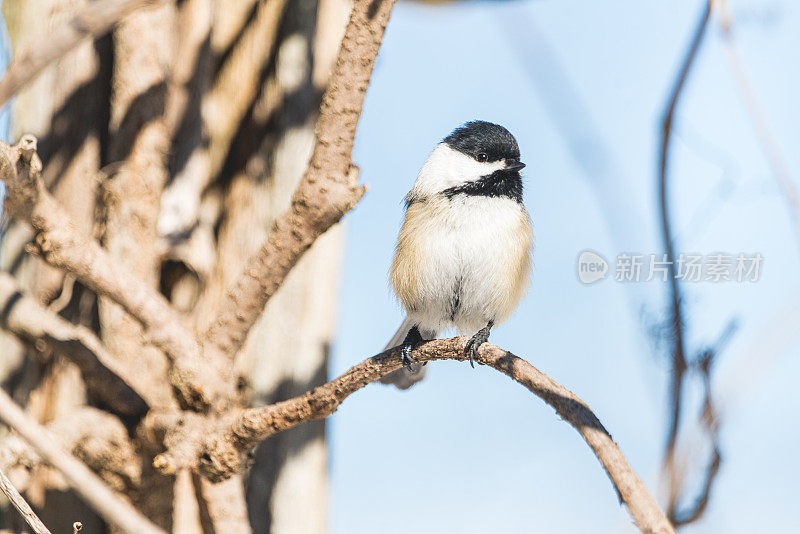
(413, 338)
(480, 337)
(405, 354)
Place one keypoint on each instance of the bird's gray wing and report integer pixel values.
(407, 376)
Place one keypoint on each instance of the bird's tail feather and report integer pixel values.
(400, 335)
(407, 376)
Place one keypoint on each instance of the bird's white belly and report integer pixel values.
(468, 262)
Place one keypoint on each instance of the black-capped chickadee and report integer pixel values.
(463, 253)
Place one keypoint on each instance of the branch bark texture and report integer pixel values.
(61, 245)
(225, 452)
(22, 507)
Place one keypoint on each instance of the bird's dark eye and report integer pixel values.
(482, 157)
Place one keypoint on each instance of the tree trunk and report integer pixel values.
(176, 141)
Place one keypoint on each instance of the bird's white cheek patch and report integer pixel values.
(446, 168)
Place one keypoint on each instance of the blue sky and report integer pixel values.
(468, 450)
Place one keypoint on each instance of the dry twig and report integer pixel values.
(677, 516)
(676, 315)
(89, 486)
(710, 420)
(22, 507)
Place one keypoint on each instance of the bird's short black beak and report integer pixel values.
(515, 166)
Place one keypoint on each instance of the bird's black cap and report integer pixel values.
(484, 141)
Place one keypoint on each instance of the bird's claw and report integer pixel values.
(472, 346)
(471, 350)
(413, 338)
(405, 354)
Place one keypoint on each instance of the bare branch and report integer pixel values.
(95, 437)
(59, 244)
(710, 420)
(328, 190)
(101, 441)
(678, 349)
(758, 116)
(680, 518)
(22, 507)
(185, 510)
(93, 20)
(226, 451)
(89, 486)
(224, 505)
(24, 317)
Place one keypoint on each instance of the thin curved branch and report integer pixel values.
(59, 243)
(106, 379)
(679, 363)
(22, 507)
(710, 419)
(93, 20)
(694, 512)
(89, 486)
(225, 451)
(327, 191)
